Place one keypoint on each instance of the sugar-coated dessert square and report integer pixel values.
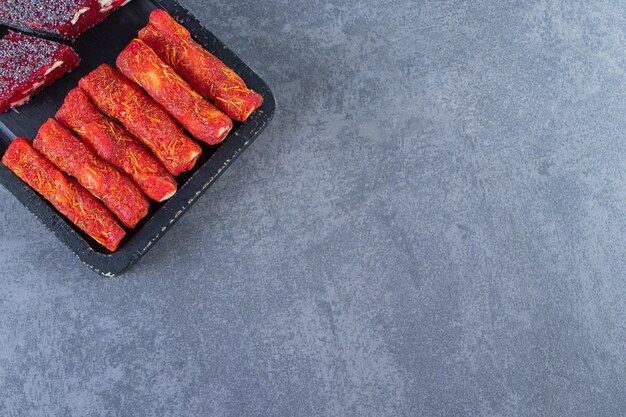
(66, 19)
(29, 64)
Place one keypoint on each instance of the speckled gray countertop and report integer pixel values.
(434, 224)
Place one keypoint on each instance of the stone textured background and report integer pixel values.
(434, 224)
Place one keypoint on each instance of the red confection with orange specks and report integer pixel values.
(65, 194)
(116, 146)
(208, 75)
(110, 186)
(202, 119)
(119, 98)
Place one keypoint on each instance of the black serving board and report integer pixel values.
(101, 45)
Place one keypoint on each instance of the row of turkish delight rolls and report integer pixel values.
(112, 145)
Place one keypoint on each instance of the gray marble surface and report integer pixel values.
(434, 224)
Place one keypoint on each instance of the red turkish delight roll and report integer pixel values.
(206, 73)
(116, 146)
(202, 119)
(106, 183)
(120, 99)
(29, 64)
(59, 18)
(65, 194)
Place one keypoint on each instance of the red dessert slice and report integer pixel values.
(29, 64)
(61, 18)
